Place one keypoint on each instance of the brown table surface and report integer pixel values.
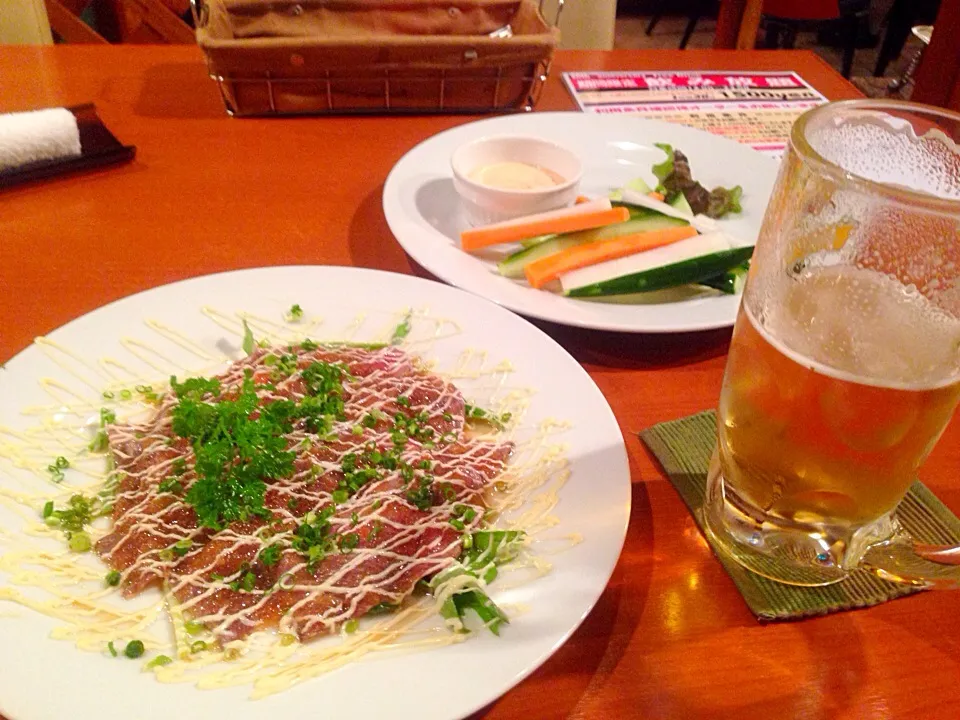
(670, 637)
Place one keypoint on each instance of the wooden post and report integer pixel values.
(749, 25)
(728, 24)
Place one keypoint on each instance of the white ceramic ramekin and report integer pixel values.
(484, 205)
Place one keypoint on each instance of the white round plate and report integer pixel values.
(423, 211)
(44, 678)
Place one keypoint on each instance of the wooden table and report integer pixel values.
(670, 638)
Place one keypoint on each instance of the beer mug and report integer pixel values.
(844, 367)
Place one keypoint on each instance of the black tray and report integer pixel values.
(98, 147)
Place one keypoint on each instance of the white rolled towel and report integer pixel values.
(28, 137)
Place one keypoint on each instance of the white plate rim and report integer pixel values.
(415, 234)
(13, 365)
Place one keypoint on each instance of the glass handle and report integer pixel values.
(903, 560)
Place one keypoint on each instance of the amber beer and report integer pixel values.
(826, 413)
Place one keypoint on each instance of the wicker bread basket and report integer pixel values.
(280, 57)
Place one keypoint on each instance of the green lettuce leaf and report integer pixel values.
(675, 177)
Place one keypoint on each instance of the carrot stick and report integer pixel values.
(578, 217)
(540, 272)
(656, 196)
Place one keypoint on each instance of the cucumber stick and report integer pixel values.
(637, 185)
(641, 220)
(688, 261)
(530, 242)
(512, 266)
(731, 282)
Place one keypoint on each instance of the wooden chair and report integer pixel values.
(66, 25)
(151, 21)
(783, 19)
(124, 21)
(699, 9)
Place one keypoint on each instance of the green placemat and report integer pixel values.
(683, 448)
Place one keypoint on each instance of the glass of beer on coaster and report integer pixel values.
(844, 367)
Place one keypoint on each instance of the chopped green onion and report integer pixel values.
(287, 639)
(111, 648)
(192, 627)
(57, 467)
(357, 430)
(248, 342)
(296, 312)
(159, 661)
(340, 496)
(382, 609)
(113, 578)
(401, 330)
(197, 646)
(107, 395)
(350, 626)
(134, 649)
(99, 443)
(349, 542)
(125, 394)
(79, 542)
(48, 509)
(478, 601)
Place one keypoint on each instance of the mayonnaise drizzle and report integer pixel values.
(45, 577)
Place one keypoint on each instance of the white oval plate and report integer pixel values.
(423, 212)
(46, 678)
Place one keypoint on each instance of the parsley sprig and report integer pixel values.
(240, 444)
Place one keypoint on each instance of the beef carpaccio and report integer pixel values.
(302, 488)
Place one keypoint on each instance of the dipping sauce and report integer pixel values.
(515, 176)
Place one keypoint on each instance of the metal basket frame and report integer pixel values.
(534, 82)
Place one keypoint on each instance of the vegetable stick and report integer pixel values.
(555, 221)
(656, 196)
(702, 223)
(542, 271)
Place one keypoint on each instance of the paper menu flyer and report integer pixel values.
(756, 108)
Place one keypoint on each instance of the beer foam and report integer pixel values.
(862, 326)
(886, 149)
